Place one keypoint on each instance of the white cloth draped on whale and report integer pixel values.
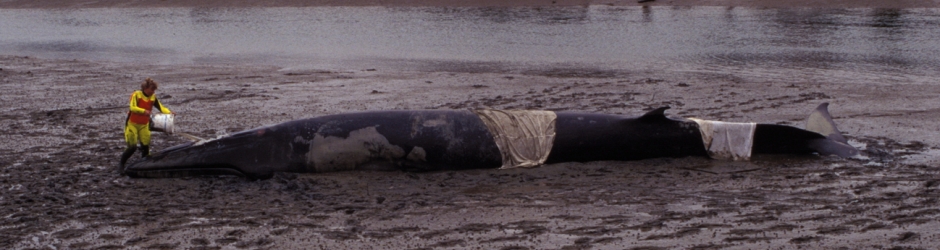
(524, 137)
(727, 140)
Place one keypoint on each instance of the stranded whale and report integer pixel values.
(464, 139)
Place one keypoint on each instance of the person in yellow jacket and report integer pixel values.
(137, 126)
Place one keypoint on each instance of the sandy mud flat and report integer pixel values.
(461, 3)
(61, 123)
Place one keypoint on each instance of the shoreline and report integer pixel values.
(54, 4)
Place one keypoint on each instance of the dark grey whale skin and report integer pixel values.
(449, 139)
(443, 140)
(584, 137)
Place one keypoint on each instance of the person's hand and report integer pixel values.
(147, 112)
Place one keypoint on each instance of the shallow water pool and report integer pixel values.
(753, 41)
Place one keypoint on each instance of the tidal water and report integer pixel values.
(878, 41)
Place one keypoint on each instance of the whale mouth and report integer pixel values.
(150, 167)
(185, 171)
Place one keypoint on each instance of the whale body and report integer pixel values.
(468, 139)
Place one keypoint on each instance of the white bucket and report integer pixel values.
(163, 122)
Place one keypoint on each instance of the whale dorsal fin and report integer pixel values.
(656, 114)
(821, 122)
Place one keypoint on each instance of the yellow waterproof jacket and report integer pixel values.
(140, 104)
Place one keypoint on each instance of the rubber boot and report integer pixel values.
(144, 151)
(124, 157)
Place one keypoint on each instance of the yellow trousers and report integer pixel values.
(137, 133)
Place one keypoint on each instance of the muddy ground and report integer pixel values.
(476, 3)
(61, 124)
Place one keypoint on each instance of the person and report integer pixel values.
(137, 124)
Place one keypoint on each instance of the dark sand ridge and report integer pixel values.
(300, 3)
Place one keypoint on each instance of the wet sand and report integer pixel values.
(62, 136)
(61, 131)
(481, 3)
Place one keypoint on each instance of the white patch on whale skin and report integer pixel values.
(434, 123)
(361, 147)
(417, 154)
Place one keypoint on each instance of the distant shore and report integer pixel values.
(13, 4)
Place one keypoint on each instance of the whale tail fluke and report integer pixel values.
(820, 121)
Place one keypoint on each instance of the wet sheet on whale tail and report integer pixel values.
(727, 140)
(524, 137)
